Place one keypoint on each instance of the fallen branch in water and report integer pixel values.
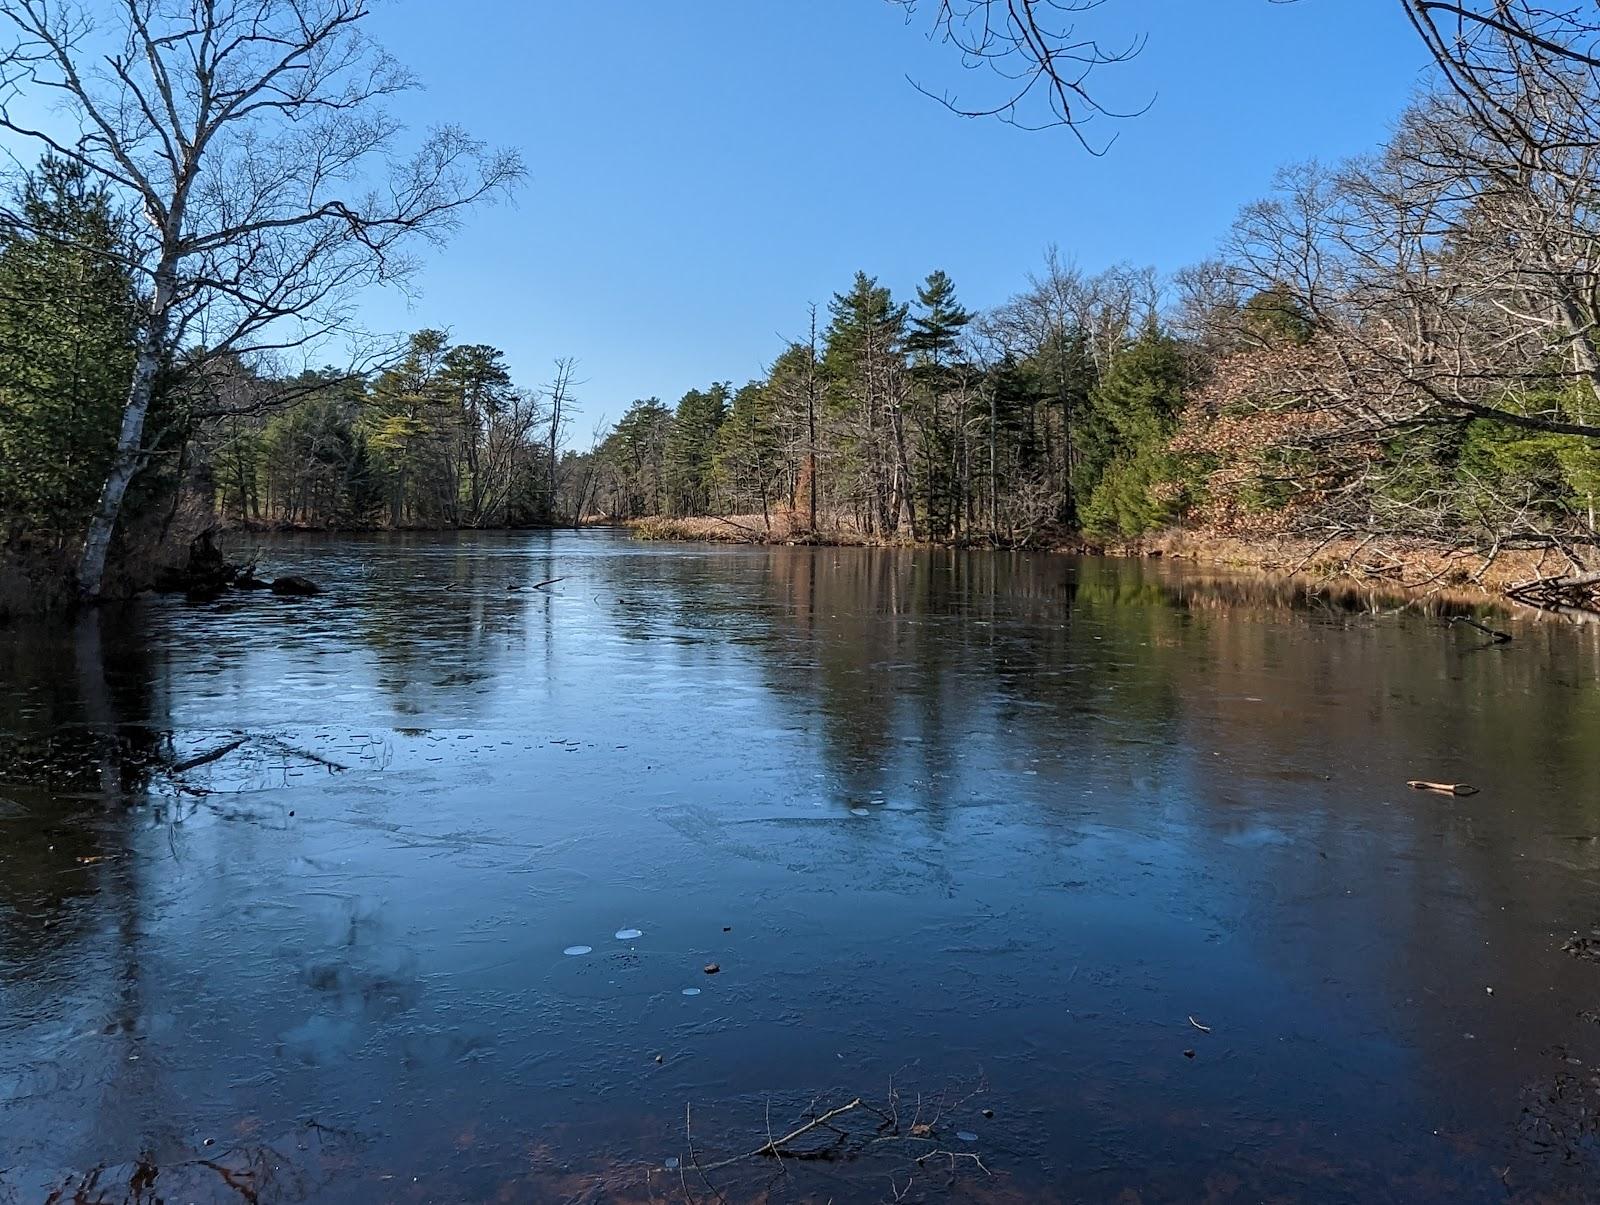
(1442, 788)
(774, 1149)
(1495, 634)
(1568, 591)
(867, 1139)
(217, 754)
(314, 758)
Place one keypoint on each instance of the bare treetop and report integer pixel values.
(251, 138)
(1041, 58)
(1528, 72)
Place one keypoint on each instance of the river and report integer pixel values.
(1097, 880)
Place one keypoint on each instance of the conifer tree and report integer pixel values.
(66, 348)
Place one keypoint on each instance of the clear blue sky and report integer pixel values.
(700, 170)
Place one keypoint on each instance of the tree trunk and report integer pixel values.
(994, 478)
(125, 465)
(904, 499)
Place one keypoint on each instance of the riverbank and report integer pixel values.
(1542, 578)
(781, 527)
(1393, 567)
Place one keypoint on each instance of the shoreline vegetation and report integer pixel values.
(1430, 575)
(1377, 368)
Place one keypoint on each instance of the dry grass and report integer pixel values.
(1422, 568)
(780, 527)
(1460, 575)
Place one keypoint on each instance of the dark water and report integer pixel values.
(970, 836)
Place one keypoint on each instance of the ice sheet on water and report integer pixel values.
(629, 934)
(574, 951)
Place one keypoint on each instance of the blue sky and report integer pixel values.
(700, 170)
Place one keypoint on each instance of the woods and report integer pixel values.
(920, 420)
(443, 438)
(257, 179)
(1399, 345)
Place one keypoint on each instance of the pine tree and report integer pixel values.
(406, 430)
(475, 385)
(865, 366)
(936, 329)
(66, 350)
(934, 344)
(1133, 412)
(689, 448)
(633, 455)
(747, 455)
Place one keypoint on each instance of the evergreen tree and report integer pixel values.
(406, 431)
(1121, 479)
(475, 385)
(66, 349)
(934, 344)
(689, 449)
(633, 455)
(746, 458)
(864, 363)
(936, 327)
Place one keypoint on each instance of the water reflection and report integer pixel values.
(927, 813)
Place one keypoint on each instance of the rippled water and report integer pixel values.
(1104, 872)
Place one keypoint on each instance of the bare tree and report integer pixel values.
(1042, 61)
(560, 403)
(510, 438)
(1490, 52)
(813, 394)
(250, 142)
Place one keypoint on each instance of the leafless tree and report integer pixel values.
(509, 442)
(1492, 52)
(250, 141)
(558, 412)
(1039, 57)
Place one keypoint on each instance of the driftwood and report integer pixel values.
(1563, 592)
(1494, 634)
(1442, 788)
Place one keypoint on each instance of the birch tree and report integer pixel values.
(253, 143)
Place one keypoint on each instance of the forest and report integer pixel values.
(1402, 345)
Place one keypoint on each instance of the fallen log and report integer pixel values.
(1563, 592)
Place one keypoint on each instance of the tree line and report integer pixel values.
(440, 436)
(921, 419)
(1405, 343)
